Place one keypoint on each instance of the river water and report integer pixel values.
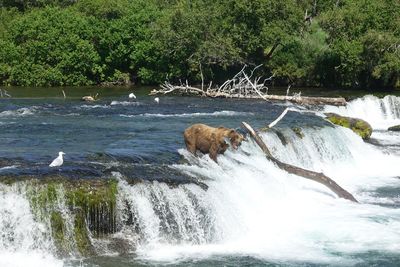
(253, 213)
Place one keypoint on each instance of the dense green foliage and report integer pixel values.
(341, 43)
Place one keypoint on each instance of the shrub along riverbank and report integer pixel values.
(332, 43)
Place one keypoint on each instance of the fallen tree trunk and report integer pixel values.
(245, 86)
(310, 100)
(315, 176)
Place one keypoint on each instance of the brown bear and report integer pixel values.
(210, 140)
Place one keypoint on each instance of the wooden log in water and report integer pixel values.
(309, 100)
(302, 100)
(315, 176)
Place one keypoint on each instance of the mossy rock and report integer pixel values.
(58, 231)
(359, 126)
(90, 203)
(264, 129)
(81, 234)
(395, 128)
(298, 132)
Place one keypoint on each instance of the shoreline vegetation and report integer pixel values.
(309, 43)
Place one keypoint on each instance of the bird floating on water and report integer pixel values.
(57, 162)
(157, 100)
(132, 95)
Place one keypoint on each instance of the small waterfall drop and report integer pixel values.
(381, 113)
(23, 241)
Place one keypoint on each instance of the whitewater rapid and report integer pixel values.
(254, 208)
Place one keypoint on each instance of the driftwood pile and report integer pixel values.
(244, 85)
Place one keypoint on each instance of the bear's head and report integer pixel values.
(235, 139)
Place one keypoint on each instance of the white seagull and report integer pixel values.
(132, 95)
(58, 161)
(157, 100)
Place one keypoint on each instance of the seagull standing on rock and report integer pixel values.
(57, 162)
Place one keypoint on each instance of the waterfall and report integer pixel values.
(23, 240)
(254, 208)
(381, 113)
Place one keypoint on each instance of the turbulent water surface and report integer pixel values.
(253, 213)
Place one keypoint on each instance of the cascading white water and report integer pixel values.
(381, 113)
(254, 208)
(23, 240)
(166, 215)
(251, 206)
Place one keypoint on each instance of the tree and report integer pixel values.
(54, 47)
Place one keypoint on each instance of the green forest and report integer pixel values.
(313, 43)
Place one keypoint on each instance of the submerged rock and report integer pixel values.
(298, 132)
(395, 128)
(359, 126)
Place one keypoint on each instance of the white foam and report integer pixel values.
(8, 167)
(18, 112)
(125, 103)
(224, 113)
(93, 106)
(29, 259)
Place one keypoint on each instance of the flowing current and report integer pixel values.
(253, 213)
(254, 208)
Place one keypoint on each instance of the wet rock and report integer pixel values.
(298, 132)
(279, 134)
(395, 128)
(281, 137)
(359, 126)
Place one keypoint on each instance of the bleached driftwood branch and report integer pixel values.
(243, 85)
(4, 93)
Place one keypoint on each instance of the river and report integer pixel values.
(252, 214)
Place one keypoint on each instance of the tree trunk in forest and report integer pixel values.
(315, 176)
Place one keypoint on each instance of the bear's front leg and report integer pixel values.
(214, 151)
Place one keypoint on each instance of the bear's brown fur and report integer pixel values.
(210, 140)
